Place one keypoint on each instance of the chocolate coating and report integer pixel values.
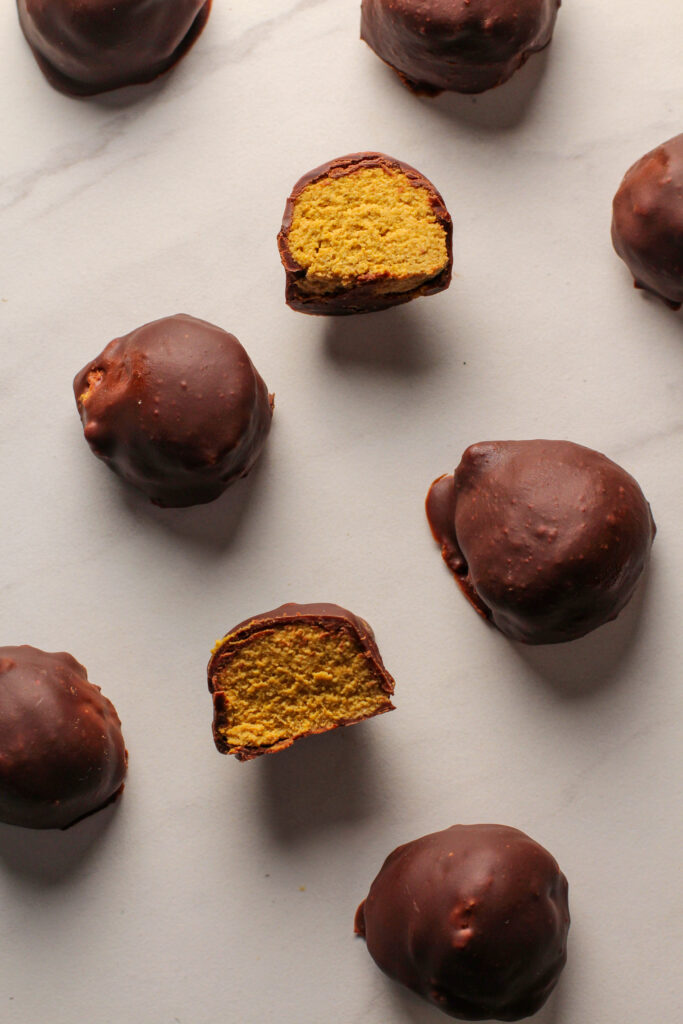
(176, 408)
(62, 755)
(85, 47)
(463, 46)
(325, 615)
(474, 919)
(545, 538)
(364, 298)
(647, 222)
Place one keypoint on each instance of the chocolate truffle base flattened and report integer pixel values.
(368, 294)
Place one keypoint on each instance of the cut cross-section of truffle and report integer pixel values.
(463, 46)
(84, 47)
(362, 233)
(176, 408)
(548, 539)
(295, 671)
(647, 223)
(474, 919)
(62, 755)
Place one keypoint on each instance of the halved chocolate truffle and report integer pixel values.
(295, 671)
(548, 539)
(62, 755)
(463, 46)
(85, 47)
(647, 223)
(362, 233)
(474, 919)
(176, 408)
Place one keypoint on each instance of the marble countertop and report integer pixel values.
(220, 892)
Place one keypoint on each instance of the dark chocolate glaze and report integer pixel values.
(84, 47)
(363, 297)
(330, 617)
(647, 222)
(474, 919)
(62, 755)
(463, 46)
(176, 408)
(546, 538)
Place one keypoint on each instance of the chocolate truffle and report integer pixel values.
(362, 233)
(85, 47)
(647, 222)
(474, 919)
(546, 538)
(176, 408)
(457, 45)
(298, 670)
(62, 755)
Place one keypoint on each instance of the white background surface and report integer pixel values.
(219, 892)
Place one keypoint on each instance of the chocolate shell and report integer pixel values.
(366, 296)
(548, 539)
(84, 47)
(647, 222)
(474, 919)
(464, 46)
(176, 408)
(62, 755)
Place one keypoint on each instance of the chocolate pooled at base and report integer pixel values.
(548, 539)
(647, 222)
(176, 408)
(85, 47)
(474, 919)
(62, 755)
(465, 46)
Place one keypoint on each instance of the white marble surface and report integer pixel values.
(219, 892)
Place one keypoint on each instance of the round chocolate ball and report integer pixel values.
(62, 755)
(90, 46)
(647, 222)
(548, 539)
(463, 46)
(176, 408)
(474, 919)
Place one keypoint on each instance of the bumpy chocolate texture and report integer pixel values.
(368, 293)
(176, 408)
(85, 47)
(62, 755)
(292, 672)
(546, 538)
(474, 919)
(463, 46)
(647, 223)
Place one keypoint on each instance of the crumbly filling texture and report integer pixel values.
(370, 225)
(299, 678)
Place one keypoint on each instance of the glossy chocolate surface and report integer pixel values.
(546, 538)
(647, 222)
(363, 298)
(62, 755)
(330, 617)
(176, 408)
(463, 46)
(474, 919)
(85, 47)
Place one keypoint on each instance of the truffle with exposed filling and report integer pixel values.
(474, 919)
(295, 671)
(463, 46)
(176, 408)
(548, 539)
(647, 222)
(362, 233)
(62, 755)
(85, 47)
